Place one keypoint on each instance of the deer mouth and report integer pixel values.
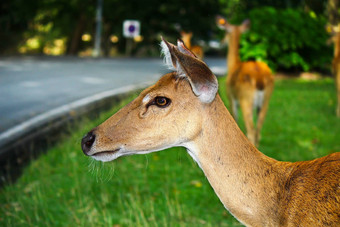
(106, 152)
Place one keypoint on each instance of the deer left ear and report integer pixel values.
(245, 25)
(203, 82)
(182, 48)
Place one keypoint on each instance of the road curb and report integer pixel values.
(21, 143)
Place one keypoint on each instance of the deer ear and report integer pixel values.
(169, 58)
(245, 25)
(182, 48)
(203, 82)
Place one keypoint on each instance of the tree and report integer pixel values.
(15, 18)
(333, 11)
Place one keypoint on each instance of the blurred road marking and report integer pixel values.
(92, 80)
(30, 84)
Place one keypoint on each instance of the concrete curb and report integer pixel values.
(21, 143)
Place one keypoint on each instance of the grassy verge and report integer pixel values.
(65, 188)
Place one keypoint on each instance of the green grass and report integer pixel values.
(65, 188)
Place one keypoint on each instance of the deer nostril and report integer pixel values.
(87, 142)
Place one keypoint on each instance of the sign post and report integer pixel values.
(131, 29)
(96, 51)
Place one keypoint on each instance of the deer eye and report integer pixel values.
(162, 102)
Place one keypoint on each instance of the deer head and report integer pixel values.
(164, 115)
(234, 31)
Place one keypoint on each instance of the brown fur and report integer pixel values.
(256, 189)
(313, 193)
(244, 79)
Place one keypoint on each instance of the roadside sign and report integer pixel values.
(131, 28)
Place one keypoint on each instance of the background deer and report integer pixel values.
(336, 63)
(249, 84)
(184, 109)
(197, 50)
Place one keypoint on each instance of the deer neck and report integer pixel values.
(244, 179)
(233, 56)
(337, 47)
(336, 59)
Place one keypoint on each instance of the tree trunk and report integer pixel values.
(76, 36)
(106, 38)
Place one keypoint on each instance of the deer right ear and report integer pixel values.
(245, 25)
(170, 60)
(182, 48)
(203, 82)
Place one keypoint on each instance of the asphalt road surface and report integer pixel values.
(30, 86)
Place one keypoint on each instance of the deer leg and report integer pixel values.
(233, 105)
(247, 112)
(338, 94)
(338, 107)
(262, 113)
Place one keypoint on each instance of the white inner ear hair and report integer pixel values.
(166, 56)
(168, 61)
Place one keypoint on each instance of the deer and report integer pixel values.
(249, 84)
(183, 109)
(336, 62)
(197, 50)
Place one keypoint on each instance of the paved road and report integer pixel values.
(30, 86)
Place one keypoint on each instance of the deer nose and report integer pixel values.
(87, 142)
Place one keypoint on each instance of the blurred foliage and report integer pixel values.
(287, 39)
(14, 20)
(70, 19)
(159, 18)
(287, 34)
